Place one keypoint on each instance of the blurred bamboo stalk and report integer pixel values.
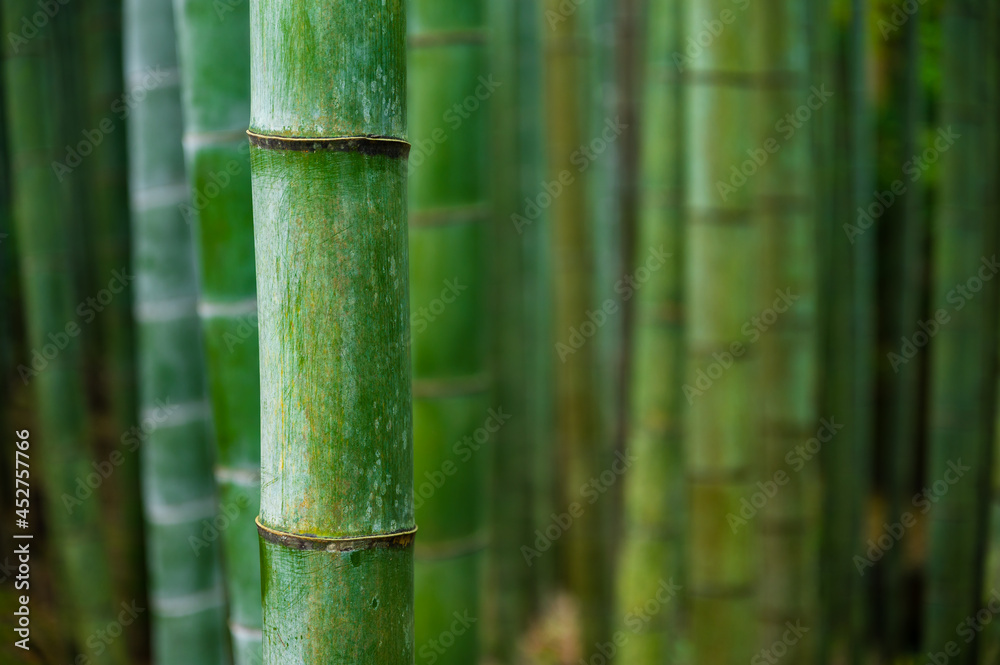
(213, 42)
(723, 102)
(906, 297)
(449, 265)
(59, 445)
(787, 215)
(513, 589)
(188, 610)
(653, 520)
(329, 190)
(963, 352)
(580, 447)
(107, 223)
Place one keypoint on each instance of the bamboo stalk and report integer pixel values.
(788, 349)
(907, 298)
(188, 609)
(336, 518)
(58, 446)
(651, 548)
(962, 361)
(449, 265)
(577, 415)
(513, 588)
(722, 293)
(107, 221)
(214, 51)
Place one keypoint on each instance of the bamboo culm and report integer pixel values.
(329, 199)
(214, 52)
(449, 265)
(60, 444)
(185, 584)
(651, 548)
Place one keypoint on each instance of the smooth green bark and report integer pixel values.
(449, 265)
(214, 52)
(185, 585)
(330, 228)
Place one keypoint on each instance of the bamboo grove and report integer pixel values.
(500, 332)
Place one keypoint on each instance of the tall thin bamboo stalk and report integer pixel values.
(107, 221)
(449, 208)
(788, 348)
(187, 600)
(721, 294)
(908, 243)
(651, 546)
(962, 361)
(214, 52)
(577, 418)
(59, 447)
(513, 588)
(329, 168)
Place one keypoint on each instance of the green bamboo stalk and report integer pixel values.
(963, 351)
(329, 168)
(721, 294)
(513, 588)
(449, 207)
(107, 221)
(990, 641)
(214, 52)
(788, 349)
(906, 307)
(58, 447)
(857, 475)
(651, 546)
(188, 610)
(578, 432)
(846, 468)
